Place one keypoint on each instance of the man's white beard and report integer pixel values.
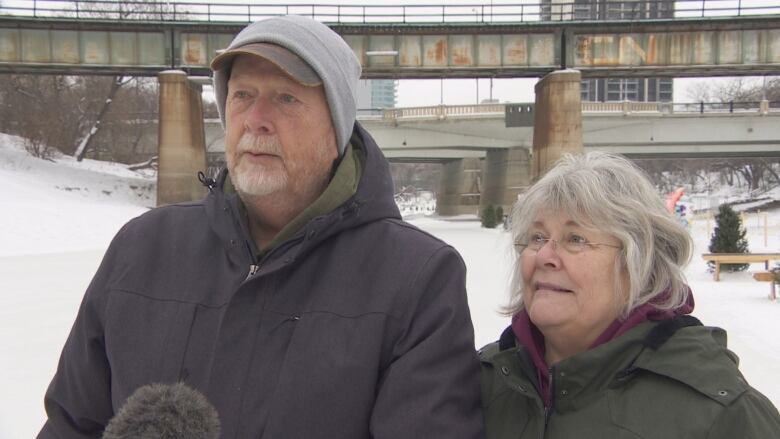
(257, 180)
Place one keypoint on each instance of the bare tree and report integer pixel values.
(60, 112)
(87, 140)
(422, 176)
(32, 106)
(736, 90)
(753, 172)
(76, 114)
(138, 9)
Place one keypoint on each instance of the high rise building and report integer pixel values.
(615, 89)
(374, 94)
(384, 93)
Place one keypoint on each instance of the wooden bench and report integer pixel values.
(767, 276)
(739, 258)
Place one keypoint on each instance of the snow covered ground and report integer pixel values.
(64, 205)
(58, 217)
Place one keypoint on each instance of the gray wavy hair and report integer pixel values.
(607, 192)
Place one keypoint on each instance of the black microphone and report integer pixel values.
(164, 411)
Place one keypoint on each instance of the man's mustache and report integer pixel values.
(259, 145)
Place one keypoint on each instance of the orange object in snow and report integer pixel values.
(673, 198)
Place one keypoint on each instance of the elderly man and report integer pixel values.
(293, 296)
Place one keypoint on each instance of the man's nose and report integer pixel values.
(260, 117)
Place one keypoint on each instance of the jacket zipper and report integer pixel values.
(551, 392)
(252, 270)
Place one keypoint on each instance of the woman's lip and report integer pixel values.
(551, 287)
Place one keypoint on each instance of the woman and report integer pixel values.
(601, 344)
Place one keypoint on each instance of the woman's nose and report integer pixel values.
(548, 255)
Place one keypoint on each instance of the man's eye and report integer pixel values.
(241, 94)
(288, 99)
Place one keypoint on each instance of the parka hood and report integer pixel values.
(372, 201)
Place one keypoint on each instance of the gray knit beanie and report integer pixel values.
(322, 49)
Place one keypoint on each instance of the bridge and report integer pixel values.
(413, 41)
(635, 129)
(638, 130)
(485, 149)
(559, 41)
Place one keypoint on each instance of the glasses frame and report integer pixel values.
(556, 244)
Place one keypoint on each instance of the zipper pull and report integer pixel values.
(252, 270)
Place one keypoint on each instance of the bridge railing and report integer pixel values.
(623, 107)
(620, 107)
(569, 10)
(443, 111)
(725, 107)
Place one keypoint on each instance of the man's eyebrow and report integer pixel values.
(235, 76)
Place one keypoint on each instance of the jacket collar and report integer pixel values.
(678, 348)
(372, 201)
(532, 338)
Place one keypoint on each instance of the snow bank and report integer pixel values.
(63, 205)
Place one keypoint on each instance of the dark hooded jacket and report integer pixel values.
(659, 380)
(356, 326)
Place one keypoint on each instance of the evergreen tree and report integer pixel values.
(489, 217)
(499, 214)
(728, 237)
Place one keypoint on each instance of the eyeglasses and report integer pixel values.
(572, 243)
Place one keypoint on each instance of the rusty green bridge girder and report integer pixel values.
(748, 45)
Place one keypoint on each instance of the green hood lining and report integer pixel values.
(341, 188)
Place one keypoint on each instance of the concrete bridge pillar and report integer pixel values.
(507, 173)
(459, 188)
(182, 148)
(557, 119)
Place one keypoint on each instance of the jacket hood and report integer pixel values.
(532, 338)
(373, 201)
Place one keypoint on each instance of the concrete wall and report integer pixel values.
(182, 150)
(459, 190)
(507, 173)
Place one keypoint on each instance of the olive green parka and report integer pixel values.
(659, 380)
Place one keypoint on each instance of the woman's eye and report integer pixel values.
(537, 238)
(577, 239)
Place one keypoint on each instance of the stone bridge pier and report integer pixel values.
(468, 187)
(506, 174)
(459, 190)
(557, 119)
(181, 139)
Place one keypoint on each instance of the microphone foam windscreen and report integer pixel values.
(162, 411)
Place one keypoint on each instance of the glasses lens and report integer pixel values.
(573, 247)
(536, 242)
